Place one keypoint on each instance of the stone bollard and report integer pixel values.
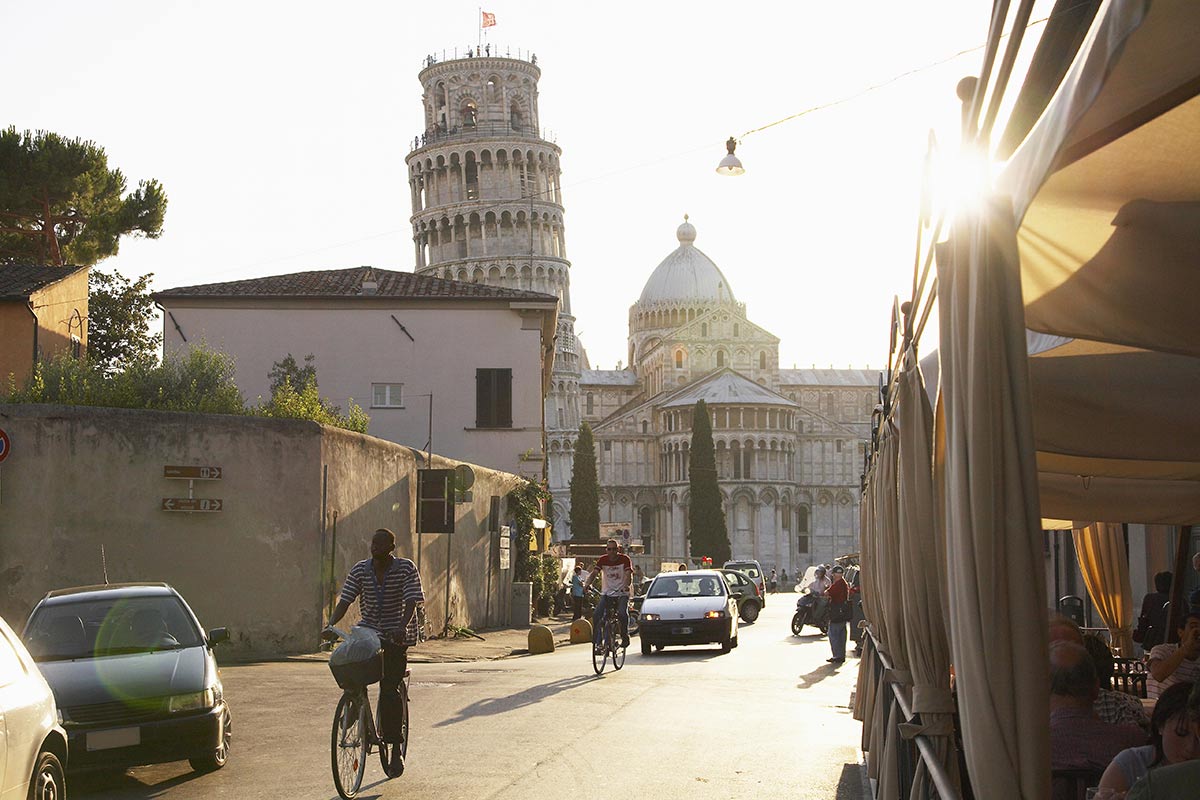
(541, 640)
(581, 631)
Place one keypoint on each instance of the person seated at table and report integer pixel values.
(1079, 740)
(1176, 663)
(1112, 706)
(1172, 781)
(1172, 741)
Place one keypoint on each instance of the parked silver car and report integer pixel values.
(33, 745)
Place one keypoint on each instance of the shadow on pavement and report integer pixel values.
(817, 675)
(123, 783)
(502, 705)
(664, 657)
(803, 638)
(852, 784)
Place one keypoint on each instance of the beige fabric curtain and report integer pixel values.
(1100, 548)
(993, 541)
(922, 566)
(894, 622)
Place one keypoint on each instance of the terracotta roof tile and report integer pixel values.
(348, 283)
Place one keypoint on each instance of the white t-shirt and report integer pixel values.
(614, 572)
(1188, 670)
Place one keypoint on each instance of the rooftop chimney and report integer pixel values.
(369, 284)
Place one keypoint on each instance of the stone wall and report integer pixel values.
(79, 479)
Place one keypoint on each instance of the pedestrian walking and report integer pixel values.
(772, 582)
(577, 593)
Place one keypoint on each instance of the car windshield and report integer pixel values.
(749, 569)
(93, 628)
(687, 586)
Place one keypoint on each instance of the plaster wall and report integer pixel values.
(17, 326)
(81, 478)
(355, 347)
(62, 310)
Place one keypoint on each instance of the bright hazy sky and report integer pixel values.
(279, 131)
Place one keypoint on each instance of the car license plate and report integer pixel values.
(118, 737)
(681, 631)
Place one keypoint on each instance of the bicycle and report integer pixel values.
(354, 736)
(610, 638)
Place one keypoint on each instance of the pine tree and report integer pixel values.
(706, 518)
(60, 203)
(585, 489)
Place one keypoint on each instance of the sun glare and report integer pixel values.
(960, 182)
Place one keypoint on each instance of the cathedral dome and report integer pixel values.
(687, 275)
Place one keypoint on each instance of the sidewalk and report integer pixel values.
(497, 643)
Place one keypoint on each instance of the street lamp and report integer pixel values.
(730, 164)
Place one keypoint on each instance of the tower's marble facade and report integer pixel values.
(487, 207)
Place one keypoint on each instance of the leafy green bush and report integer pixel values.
(287, 403)
(200, 380)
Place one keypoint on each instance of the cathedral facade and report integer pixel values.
(789, 442)
(487, 207)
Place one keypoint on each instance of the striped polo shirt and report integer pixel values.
(382, 607)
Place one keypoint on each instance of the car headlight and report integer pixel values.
(62, 718)
(650, 617)
(193, 701)
(713, 614)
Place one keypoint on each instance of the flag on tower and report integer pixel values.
(489, 19)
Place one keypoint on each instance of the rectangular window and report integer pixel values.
(387, 395)
(493, 398)
(802, 541)
(608, 447)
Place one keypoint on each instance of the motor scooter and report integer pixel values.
(810, 611)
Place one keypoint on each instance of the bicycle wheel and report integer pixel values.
(600, 655)
(391, 755)
(348, 745)
(614, 640)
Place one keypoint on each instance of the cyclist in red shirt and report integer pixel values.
(616, 574)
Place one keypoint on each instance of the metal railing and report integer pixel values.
(481, 130)
(921, 746)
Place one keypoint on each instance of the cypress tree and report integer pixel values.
(585, 489)
(706, 518)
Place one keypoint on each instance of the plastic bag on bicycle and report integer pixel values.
(355, 663)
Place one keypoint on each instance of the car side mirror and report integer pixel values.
(218, 636)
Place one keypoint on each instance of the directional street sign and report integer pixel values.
(191, 504)
(193, 473)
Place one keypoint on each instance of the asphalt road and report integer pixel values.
(769, 718)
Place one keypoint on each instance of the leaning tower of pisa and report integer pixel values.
(487, 207)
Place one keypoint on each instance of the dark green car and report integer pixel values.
(745, 590)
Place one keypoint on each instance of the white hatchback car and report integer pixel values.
(689, 608)
(33, 745)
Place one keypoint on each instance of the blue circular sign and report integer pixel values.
(5, 445)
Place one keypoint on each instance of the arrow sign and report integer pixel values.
(191, 504)
(193, 473)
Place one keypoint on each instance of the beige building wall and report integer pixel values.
(79, 479)
(44, 323)
(62, 311)
(17, 327)
(356, 346)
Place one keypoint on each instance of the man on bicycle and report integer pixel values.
(616, 573)
(388, 590)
